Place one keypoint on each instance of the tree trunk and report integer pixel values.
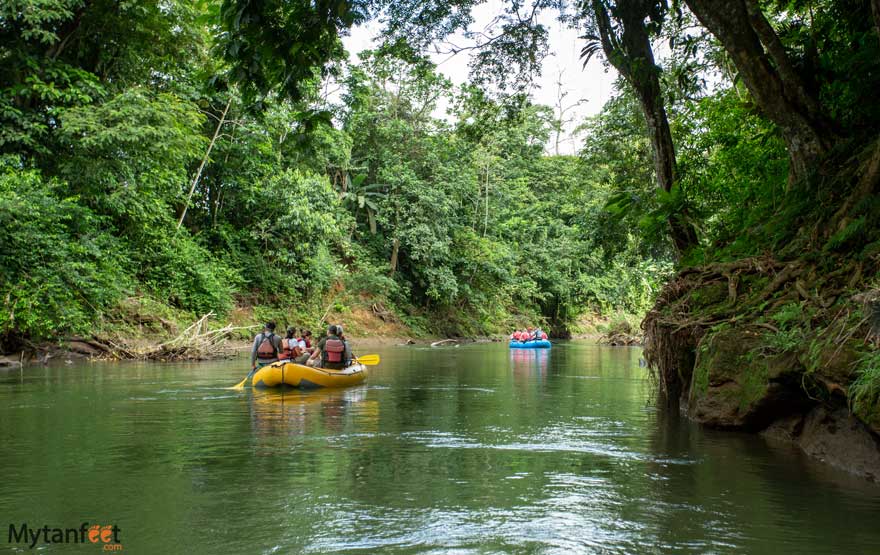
(779, 91)
(395, 246)
(486, 219)
(198, 175)
(633, 57)
(776, 50)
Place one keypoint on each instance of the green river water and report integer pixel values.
(463, 450)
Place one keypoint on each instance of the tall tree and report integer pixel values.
(625, 39)
(770, 75)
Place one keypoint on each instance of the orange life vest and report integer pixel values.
(289, 349)
(333, 352)
(267, 350)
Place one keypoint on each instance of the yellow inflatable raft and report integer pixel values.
(306, 377)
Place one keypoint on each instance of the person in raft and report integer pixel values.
(347, 354)
(290, 349)
(305, 341)
(330, 351)
(304, 345)
(266, 347)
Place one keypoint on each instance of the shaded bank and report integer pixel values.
(786, 343)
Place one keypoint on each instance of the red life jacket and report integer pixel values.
(543, 335)
(267, 350)
(333, 351)
(289, 349)
(307, 342)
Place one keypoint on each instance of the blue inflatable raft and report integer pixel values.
(539, 344)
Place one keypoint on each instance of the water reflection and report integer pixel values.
(529, 362)
(295, 412)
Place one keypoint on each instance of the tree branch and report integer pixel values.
(198, 175)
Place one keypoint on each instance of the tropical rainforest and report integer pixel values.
(170, 158)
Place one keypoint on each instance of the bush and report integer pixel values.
(58, 268)
(184, 274)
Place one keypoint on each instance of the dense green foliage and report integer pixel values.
(457, 225)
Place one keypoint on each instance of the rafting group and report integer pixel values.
(529, 338)
(294, 361)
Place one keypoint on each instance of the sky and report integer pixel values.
(592, 86)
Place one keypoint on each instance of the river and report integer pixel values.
(458, 450)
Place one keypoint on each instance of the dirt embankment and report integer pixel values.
(141, 336)
(780, 347)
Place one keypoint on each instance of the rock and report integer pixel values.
(837, 438)
(620, 340)
(832, 366)
(735, 386)
(785, 430)
(833, 436)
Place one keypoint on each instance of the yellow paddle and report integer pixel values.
(240, 385)
(368, 360)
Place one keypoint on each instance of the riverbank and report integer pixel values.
(140, 328)
(785, 344)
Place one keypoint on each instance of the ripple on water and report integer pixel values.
(603, 442)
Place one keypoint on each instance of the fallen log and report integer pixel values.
(443, 341)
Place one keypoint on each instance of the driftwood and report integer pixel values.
(197, 342)
(9, 362)
(443, 341)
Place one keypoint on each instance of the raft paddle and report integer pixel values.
(240, 385)
(368, 360)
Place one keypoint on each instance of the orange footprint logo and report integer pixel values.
(102, 533)
(95, 533)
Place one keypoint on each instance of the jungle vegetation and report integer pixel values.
(190, 156)
(151, 170)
